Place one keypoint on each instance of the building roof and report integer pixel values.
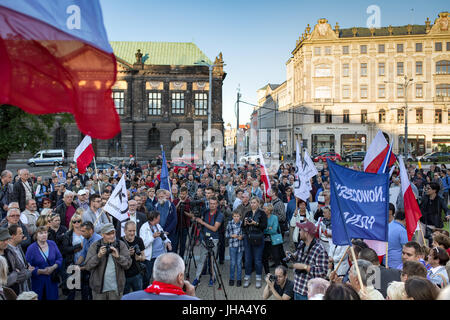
(160, 53)
(271, 85)
(382, 32)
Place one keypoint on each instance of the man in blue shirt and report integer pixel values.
(168, 213)
(396, 239)
(87, 231)
(211, 221)
(445, 184)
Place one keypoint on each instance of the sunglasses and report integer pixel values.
(76, 221)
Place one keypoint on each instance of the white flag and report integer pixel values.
(310, 169)
(117, 205)
(301, 184)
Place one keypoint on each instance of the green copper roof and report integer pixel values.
(160, 53)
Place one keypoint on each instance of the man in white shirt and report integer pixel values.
(238, 200)
(30, 215)
(394, 191)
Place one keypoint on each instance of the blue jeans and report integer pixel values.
(149, 268)
(133, 284)
(298, 296)
(236, 263)
(253, 254)
(179, 241)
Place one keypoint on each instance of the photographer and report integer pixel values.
(279, 285)
(211, 221)
(135, 274)
(107, 260)
(184, 215)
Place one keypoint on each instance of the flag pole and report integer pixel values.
(98, 178)
(421, 231)
(387, 249)
(357, 270)
(342, 259)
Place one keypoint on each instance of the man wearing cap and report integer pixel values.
(83, 199)
(311, 260)
(107, 259)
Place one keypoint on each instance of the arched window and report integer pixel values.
(153, 138)
(443, 67)
(382, 116)
(323, 70)
(60, 141)
(443, 90)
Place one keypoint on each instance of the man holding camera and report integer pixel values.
(182, 204)
(134, 275)
(279, 285)
(211, 221)
(107, 260)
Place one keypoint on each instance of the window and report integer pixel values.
(323, 92)
(419, 67)
(323, 70)
(316, 116)
(381, 48)
(448, 46)
(419, 47)
(328, 50)
(381, 91)
(399, 47)
(177, 103)
(60, 140)
(364, 92)
(154, 103)
(119, 101)
(201, 104)
(443, 67)
(382, 116)
(363, 69)
(399, 68)
(400, 91)
(438, 46)
(419, 115)
(345, 50)
(345, 70)
(443, 90)
(317, 51)
(438, 116)
(363, 48)
(400, 116)
(328, 117)
(381, 69)
(363, 116)
(419, 90)
(153, 138)
(346, 117)
(346, 91)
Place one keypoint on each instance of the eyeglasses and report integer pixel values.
(15, 215)
(76, 221)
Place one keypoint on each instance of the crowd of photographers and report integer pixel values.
(55, 238)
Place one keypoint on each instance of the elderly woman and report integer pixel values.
(56, 231)
(45, 257)
(272, 239)
(437, 259)
(396, 291)
(5, 292)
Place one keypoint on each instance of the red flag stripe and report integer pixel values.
(85, 158)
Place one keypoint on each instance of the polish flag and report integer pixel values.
(55, 57)
(84, 154)
(264, 175)
(412, 211)
(376, 154)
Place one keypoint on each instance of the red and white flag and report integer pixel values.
(376, 154)
(84, 154)
(264, 175)
(412, 210)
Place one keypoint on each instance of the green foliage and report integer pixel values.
(443, 147)
(23, 131)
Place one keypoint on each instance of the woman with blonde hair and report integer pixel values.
(396, 291)
(5, 292)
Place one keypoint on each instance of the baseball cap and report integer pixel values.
(4, 234)
(308, 227)
(81, 192)
(107, 228)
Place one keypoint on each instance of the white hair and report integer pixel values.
(11, 204)
(396, 290)
(46, 211)
(3, 271)
(68, 193)
(27, 295)
(12, 210)
(167, 268)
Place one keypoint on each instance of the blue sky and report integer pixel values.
(255, 37)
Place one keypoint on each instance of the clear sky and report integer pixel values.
(255, 37)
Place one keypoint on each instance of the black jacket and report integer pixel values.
(433, 218)
(19, 194)
(260, 217)
(68, 250)
(57, 236)
(141, 218)
(61, 210)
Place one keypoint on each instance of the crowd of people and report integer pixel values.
(55, 227)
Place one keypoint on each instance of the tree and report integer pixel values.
(23, 131)
(443, 147)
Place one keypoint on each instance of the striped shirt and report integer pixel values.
(235, 228)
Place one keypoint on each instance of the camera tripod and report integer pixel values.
(214, 270)
(189, 255)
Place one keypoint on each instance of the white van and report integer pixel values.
(47, 157)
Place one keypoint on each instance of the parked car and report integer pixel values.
(48, 157)
(102, 165)
(180, 164)
(252, 158)
(322, 157)
(434, 156)
(355, 156)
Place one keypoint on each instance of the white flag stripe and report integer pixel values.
(117, 205)
(83, 145)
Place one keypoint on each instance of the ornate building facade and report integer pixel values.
(343, 85)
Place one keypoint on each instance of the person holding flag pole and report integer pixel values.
(83, 156)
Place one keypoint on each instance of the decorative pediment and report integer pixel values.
(441, 24)
(323, 31)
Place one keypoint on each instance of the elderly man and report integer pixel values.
(13, 218)
(366, 269)
(107, 260)
(168, 284)
(30, 215)
(133, 215)
(244, 207)
(66, 209)
(6, 189)
(83, 199)
(23, 189)
(95, 214)
(168, 213)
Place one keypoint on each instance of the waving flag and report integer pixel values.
(55, 57)
(84, 154)
(117, 205)
(359, 204)
(264, 175)
(378, 151)
(165, 183)
(412, 210)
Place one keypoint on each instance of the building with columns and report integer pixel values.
(343, 85)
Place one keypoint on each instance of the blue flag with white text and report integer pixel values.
(359, 204)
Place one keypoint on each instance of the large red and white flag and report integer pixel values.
(264, 175)
(84, 154)
(55, 57)
(376, 154)
(412, 210)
